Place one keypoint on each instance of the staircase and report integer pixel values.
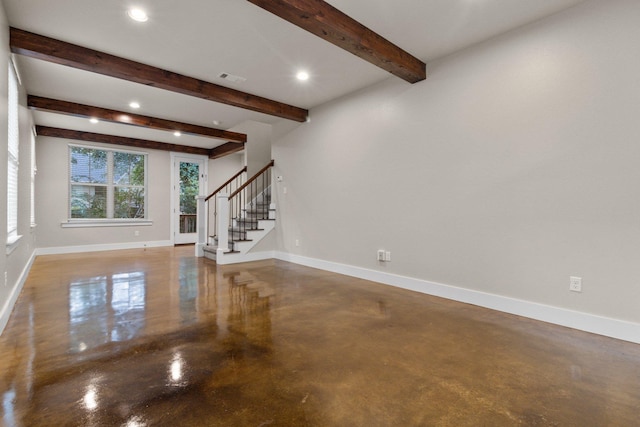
(254, 223)
(240, 219)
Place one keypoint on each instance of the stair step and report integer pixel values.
(247, 221)
(231, 241)
(257, 213)
(214, 249)
(243, 229)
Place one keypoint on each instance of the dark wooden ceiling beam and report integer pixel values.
(59, 52)
(214, 153)
(327, 22)
(117, 140)
(87, 111)
(225, 149)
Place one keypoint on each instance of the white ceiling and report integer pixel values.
(202, 38)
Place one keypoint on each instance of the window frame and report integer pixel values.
(109, 220)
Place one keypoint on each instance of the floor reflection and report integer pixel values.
(147, 338)
(8, 402)
(104, 309)
(188, 292)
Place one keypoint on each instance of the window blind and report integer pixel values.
(13, 147)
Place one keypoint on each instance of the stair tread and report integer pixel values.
(214, 248)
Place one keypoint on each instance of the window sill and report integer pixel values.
(79, 223)
(12, 243)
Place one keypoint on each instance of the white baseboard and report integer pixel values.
(7, 308)
(103, 247)
(619, 329)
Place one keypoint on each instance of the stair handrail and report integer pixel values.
(243, 170)
(250, 180)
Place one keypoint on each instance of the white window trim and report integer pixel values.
(107, 222)
(82, 223)
(12, 242)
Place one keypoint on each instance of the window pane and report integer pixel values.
(129, 202)
(88, 201)
(128, 169)
(189, 187)
(88, 165)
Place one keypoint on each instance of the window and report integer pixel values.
(34, 169)
(12, 159)
(107, 184)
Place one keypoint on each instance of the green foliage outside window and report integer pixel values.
(189, 187)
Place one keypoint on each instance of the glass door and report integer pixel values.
(189, 177)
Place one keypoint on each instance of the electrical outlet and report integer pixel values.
(387, 256)
(6, 279)
(136, 233)
(297, 242)
(381, 255)
(575, 284)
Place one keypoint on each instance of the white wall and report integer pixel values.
(515, 165)
(52, 187)
(15, 265)
(257, 150)
(220, 170)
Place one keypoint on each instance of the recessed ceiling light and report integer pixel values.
(94, 120)
(302, 76)
(138, 14)
(134, 105)
(177, 133)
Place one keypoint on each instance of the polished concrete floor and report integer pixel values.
(159, 338)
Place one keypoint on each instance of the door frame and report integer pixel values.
(173, 190)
